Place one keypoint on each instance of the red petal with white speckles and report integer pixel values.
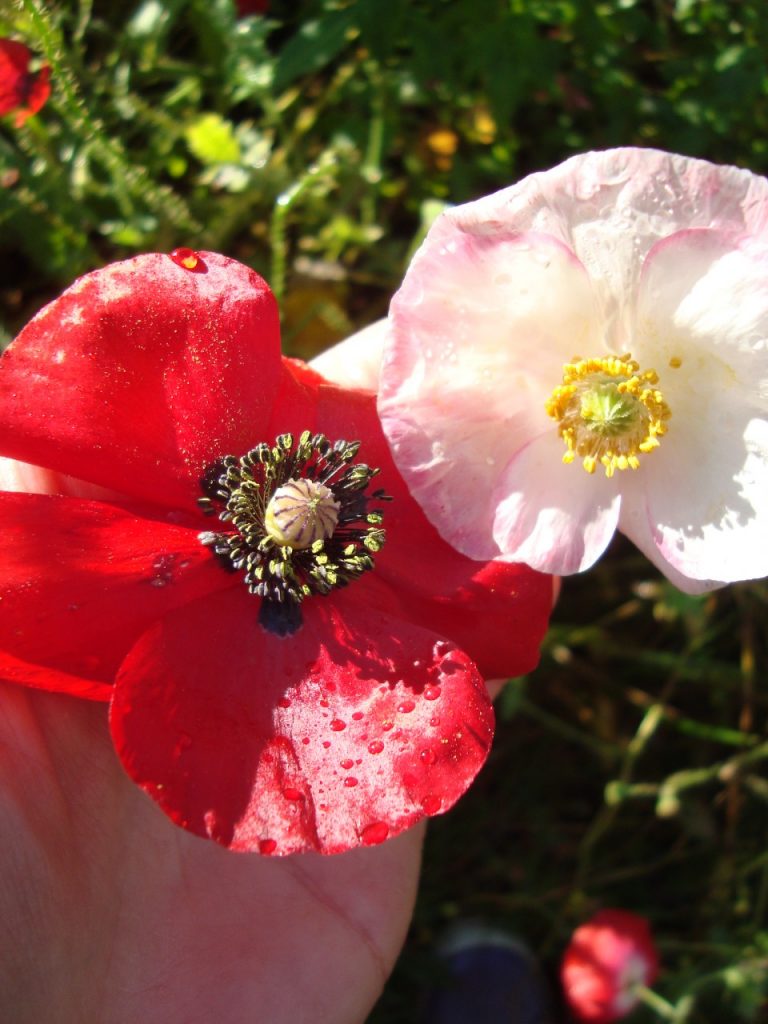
(341, 735)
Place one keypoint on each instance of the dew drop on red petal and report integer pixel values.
(184, 742)
(283, 702)
(292, 794)
(187, 259)
(326, 743)
(358, 716)
(350, 781)
(323, 703)
(386, 726)
(434, 720)
(375, 747)
(406, 706)
(337, 725)
(374, 833)
(432, 692)
(448, 666)
(431, 803)
(428, 756)
(267, 846)
(211, 821)
(347, 763)
(305, 740)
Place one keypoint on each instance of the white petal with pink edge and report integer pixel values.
(628, 251)
(456, 398)
(553, 517)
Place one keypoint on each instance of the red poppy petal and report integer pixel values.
(496, 611)
(341, 735)
(38, 91)
(81, 580)
(14, 64)
(143, 373)
(43, 677)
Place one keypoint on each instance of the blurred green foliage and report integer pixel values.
(179, 122)
(316, 140)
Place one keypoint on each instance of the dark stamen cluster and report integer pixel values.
(239, 490)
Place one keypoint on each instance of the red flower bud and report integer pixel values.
(606, 959)
(21, 90)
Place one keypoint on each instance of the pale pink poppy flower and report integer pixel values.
(586, 351)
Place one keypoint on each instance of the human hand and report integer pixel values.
(111, 914)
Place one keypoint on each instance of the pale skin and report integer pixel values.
(110, 914)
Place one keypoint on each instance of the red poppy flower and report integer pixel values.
(245, 8)
(196, 579)
(21, 90)
(606, 959)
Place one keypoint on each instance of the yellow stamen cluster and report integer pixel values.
(608, 412)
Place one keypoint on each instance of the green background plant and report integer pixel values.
(317, 141)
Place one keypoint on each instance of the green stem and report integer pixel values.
(277, 230)
(371, 170)
(129, 184)
(661, 1006)
(74, 107)
(650, 722)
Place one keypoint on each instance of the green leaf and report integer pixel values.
(314, 46)
(212, 140)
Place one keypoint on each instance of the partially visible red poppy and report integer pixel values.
(608, 957)
(21, 90)
(245, 8)
(277, 682)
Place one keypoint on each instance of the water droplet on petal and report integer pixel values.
(323, 703)
(267, 846)
(211, 820)
(358, 716)
(350, 781)
(337, 725)
(432, 692)
(326, 743)
(434, 720)
(375, 746)
(292, 794)
(428, 756)
(374, 833)
(305, 740)
(283, 702)
(187, 259)
(406, 706)
(431, 803)
(347, 763)
(183, 742)
(386, 726)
